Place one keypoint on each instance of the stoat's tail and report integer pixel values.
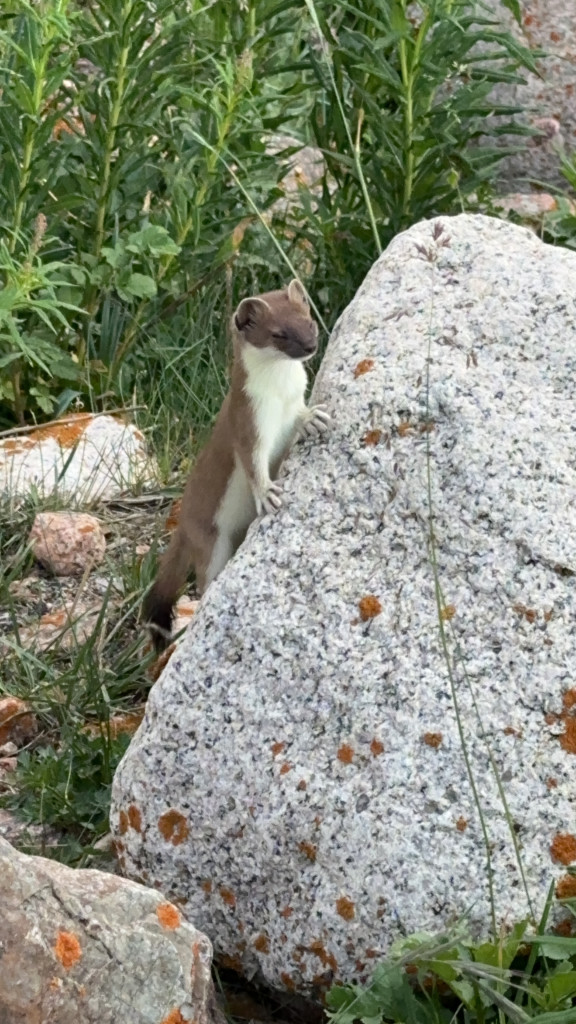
(172, 575)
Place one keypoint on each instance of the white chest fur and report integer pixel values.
(276, 387)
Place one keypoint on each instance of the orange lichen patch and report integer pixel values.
(569, 699)
(67, 949)
(227, 896)
(277, 748)
(287, 912)
(123, 823)
(566, 887)
(16, 447)
(67, 432)
(426, 428)
(376, 748)
(326, 959)
(372, 437)
(461, 824)
(287, 981)
(345, 908)
(135, 817)
(185, 609)
(174, 827)
(404, 428)
(175, 1017)
(234, 963)
(448, 612)
(432, 739)
(530, 614)
(369, 607)
(565, 928)
(207, 886)
(286, 767)
(568, 718)
(364, 366)
(174, 514)
(308, 849)
(563, 848)
(568, 739)
(509, 730)
(302, 785)
(262, 943)
(54, 619)
(168, 916)
(345, 754)
(322, 981)
(551, 783)
(159, 665)
(125, 723)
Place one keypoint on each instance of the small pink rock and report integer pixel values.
(531, 205)
(67, 543)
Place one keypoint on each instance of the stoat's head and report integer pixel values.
(278, 321)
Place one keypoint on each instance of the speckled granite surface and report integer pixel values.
(298, 779)
(549, 101)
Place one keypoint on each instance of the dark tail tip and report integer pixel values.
(157, 613)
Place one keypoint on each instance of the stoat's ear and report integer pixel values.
(250, 312)
(297, 295)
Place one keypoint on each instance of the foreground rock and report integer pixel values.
(67, 543)
(83, 456)
(91, 947)
(299, 777)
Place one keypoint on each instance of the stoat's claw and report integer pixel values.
(271, 501)
(316, 421)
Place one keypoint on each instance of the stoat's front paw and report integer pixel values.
(315, 421)
(270, 500)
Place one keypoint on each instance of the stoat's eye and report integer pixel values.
(279, 335)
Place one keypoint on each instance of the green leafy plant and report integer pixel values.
(68, 785)
(101, 109)
(139, 132)
(401, 108)
(518, 977)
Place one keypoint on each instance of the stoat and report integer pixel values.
(233, 479)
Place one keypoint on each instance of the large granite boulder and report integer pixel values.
(91, 947)
(301, 778)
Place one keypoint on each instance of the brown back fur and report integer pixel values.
(278, 319)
